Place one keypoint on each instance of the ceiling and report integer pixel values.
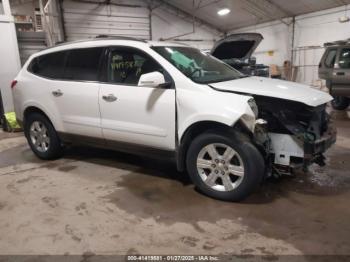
(250, 12)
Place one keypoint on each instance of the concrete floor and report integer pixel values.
(104, 202)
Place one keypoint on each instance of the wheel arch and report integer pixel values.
(34, 109)
(200, 127)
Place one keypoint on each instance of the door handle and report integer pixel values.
(109, 98)
(340, 73)
(57, 93)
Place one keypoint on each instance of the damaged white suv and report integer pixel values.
(229, 131)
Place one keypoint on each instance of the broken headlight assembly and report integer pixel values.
(253, 106)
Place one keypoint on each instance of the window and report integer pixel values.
(197, 65)
(330, 58)
(83, 64)
(344, 58)
(125, 66)
(50, 65)
(1, 8)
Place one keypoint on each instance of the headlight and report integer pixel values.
(254, 107)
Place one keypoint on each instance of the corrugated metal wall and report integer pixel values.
(86, 20)
(30, 43)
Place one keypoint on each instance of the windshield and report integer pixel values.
(197, 65)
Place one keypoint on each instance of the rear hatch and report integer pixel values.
(236, 46)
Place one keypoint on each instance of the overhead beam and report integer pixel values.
(190, 16)
(278, 7)
(200, 6)
(268, 9)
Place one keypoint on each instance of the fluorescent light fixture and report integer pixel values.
(224, 11)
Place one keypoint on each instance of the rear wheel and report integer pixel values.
(42, 137)
(224, 166)
(340, 103)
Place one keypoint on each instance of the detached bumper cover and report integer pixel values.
(312, 149)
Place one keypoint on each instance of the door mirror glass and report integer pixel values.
(153, 79)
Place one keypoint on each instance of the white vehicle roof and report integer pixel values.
(106, 41)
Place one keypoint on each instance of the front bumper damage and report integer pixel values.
(313, 150)
(287, 151)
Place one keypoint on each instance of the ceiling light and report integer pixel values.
(224, 11)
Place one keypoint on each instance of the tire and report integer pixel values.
(246, 156)
(38, 128)
(340, 102)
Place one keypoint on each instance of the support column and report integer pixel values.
(9, 53)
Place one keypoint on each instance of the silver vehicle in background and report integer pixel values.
(335, 69)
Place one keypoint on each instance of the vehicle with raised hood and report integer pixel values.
(237, 50)
(171, 101)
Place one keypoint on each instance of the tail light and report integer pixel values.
(13, 84)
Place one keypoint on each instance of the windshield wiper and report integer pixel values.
(244, 76)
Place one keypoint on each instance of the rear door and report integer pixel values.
(76, 95)
(341, 75)
(327, 64)
(133, 114)
(71, 88)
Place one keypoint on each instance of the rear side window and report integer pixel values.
(83, 64)
(50, 65)
(344, 58)
(330, 58)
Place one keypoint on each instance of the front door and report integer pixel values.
(132, 114)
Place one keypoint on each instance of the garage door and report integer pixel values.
(85, 20)
(30, 43)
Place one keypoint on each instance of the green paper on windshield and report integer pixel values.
(182, 60)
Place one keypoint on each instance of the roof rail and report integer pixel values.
(118, 37)
(335, 43)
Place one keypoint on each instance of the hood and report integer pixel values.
(275, 88)
(236, 46)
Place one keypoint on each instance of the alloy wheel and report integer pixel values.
(39, 136)
(220, 167)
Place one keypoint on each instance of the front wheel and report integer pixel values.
(340, 103)
(225, 165)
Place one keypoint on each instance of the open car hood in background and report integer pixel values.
(236, 46)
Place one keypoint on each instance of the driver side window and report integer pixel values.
(125, 66)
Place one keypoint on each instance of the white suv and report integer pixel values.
(229, 131)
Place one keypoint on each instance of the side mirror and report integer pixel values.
(153, 79)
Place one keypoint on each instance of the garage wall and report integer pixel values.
(311, 31)
(276, 39)
(84, 20)
(166, 24)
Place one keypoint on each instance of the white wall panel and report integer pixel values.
(167, 25)
(311, 31)
(10, 59)
(276, 38)
(85, 20)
